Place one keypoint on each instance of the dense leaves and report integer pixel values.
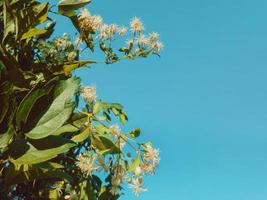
(52, 146)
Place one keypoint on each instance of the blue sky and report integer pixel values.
(204, 103)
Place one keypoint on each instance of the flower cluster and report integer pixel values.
(58, 51)
(147, 157)
(151, 159)
(138, 45)
(89, 23)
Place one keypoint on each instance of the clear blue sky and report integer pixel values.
(204, 103)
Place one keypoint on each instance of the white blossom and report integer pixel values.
(136, 185)
(71, 56)
(86, 165)
(136, 25)
(151, 154)
(157, 46)
(122, 31)
(89, 94)
(115, 129)
(142, 40)
(89, 23)
(153, 37)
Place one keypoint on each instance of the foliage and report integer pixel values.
(50, 146)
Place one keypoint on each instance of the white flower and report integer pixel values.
(89, 23)
(153, 37)
(149, 167)
(112, 30)
(142, 40)
(157, 46)
(107, 31)
(103, 33)
(86, 165)
(115, 129)
(136, 25)
(85, 13)
(136, 185)
(151, 159)
(89, 94)
(151, 154)
(122, 31)
(52, 52)
(71, 56)
(60, 42)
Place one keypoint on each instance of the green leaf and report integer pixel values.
(29, 17)
(78, 119)
(5, 91)
(68, 128)
(51, 126)
(81, 136)
(6, 138)
(58, 113)
(68, 68)
(87, 192)
(135, 133)
(72, 4)
(135, 163)
(101, 129)
(28, 102)
(60, 175)
(64, 91)
(9, 22)
(34, 156)
(97, 107)
(33, 32)
(67, 7)
(105, 144)
(2, 67)
(123, 118)
(41, 11)
(46, 166)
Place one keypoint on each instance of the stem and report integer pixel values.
(130, 144)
